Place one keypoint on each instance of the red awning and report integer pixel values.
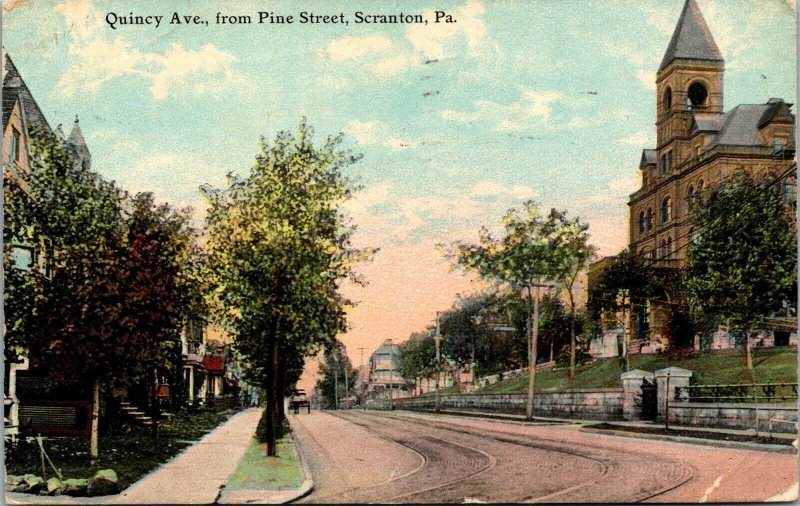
(213, 363)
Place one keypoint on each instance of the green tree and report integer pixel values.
(279, 245)
(531, 252)
(336, 376)
(417, 356)
(105, 310)
(626, 283)
(742, 260)
(577, 255)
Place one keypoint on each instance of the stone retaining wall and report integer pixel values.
(594, 404)
(735, 416)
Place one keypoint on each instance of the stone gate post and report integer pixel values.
(632, 390)
(677, 378)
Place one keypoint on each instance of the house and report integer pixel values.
(698, 147)
(22, 119)
(383, 373)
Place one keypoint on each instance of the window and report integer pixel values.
(700, 186)
(693, 235)
(641, 223)
(662, 169)
(22, 257)
(666, 210)
(697, 96)
(790, 192)
(669, 160)
(666, 248)
(668, 99)
(13, 146)
(649, 219)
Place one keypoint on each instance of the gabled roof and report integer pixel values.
(777, 108)
(15, 89)
(692, 40)
(648, 158)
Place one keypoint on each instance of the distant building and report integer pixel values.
(383, 373)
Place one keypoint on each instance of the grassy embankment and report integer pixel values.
(769, 365)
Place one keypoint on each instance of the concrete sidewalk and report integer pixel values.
(195, 476)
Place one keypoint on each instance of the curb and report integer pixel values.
(308, 483)
(696, 441)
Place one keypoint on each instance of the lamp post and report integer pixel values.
(477, 319)
(438, 340)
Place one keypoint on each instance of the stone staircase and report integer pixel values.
(136, 415)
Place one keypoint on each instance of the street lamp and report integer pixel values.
(437, 338)
(391, 374)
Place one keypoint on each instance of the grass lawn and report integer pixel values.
(769, 365)
(256, 471)
(131, 455)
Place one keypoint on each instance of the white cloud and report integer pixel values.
(431, 40)
(353, 48)
(385, 58)
(370, 133)
(96, 58)
(179, 66)
(533, 107)
(648, 79)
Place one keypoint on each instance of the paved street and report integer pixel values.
(358, 456)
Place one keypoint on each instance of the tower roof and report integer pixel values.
(692, 40)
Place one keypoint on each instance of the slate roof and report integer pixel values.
(692, 40)
(740, 125)
(14, 88)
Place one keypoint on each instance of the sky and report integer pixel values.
(551, 100)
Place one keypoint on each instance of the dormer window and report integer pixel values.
(697, 96)
(13, 146)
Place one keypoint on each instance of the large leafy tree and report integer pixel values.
(742, 259)
(105, 310)
(532, 251)
(279, 245)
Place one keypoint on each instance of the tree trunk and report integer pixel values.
(272, 381)
(533, 333)
(94, 447)
(571, 335)
(280, 414)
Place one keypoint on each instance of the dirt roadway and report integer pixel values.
(360, 457)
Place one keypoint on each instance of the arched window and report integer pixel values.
(697, 96)
(666, 210)
(648, 221)
(667, 99)
(690, 195)
(641, 223)
(666, 247)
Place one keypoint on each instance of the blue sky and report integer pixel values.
(508, 113)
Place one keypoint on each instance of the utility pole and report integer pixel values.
(336, 388)
(360, 372)
(391, 374)
(346, 388)
(438, 340)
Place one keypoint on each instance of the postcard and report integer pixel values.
(451, 251)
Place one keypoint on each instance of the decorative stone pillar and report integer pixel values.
(631, 391)
(676, 377)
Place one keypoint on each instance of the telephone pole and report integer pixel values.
(391, 374)
(438, 340)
